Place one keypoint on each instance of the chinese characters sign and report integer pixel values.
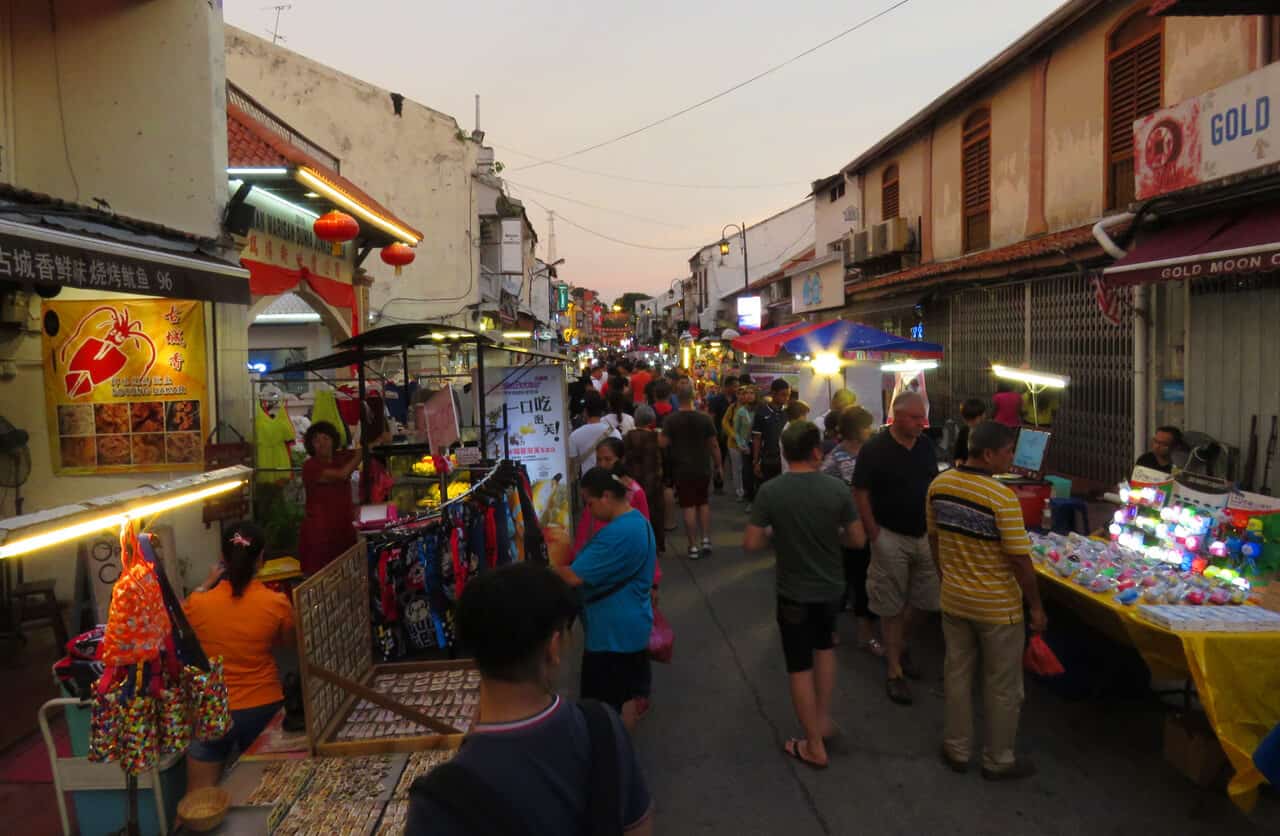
(30, 260)
(536, 432)
(125, 385)
(282, 238)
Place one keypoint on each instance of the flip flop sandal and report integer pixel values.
(792, 748)
(872, 646)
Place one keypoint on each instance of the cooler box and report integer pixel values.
(1061, 486)
(1032, 496)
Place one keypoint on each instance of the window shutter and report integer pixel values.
(889, 194)
(977, 181)
(1134, 89)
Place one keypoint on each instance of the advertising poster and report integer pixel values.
(442, 420)
(125, 385)
(535, 433)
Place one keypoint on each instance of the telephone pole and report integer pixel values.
(274, 31)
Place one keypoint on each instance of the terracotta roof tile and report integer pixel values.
(1031, 248)
(251, 145)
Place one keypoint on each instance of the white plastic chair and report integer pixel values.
(71, 774)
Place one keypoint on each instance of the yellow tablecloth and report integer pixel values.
(1236, 674)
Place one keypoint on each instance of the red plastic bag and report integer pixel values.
(662, 638)
(1040, 659)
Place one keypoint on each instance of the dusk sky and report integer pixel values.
(560, 76)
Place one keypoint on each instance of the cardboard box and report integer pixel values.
(1191, 747)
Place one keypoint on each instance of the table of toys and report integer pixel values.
(1176, 580)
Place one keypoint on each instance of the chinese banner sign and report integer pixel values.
(125, 385)
(536, 433)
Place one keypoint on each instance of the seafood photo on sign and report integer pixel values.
(75, 420)
(111, 419)
(78, 452)
(148, 449)
(182, 448)
(147, 417)
(183, 416)
(113, 449)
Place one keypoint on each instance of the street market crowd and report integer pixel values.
(859, 519)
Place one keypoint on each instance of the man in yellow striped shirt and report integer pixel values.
(983, 555)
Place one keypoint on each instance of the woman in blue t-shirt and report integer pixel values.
(614, 571)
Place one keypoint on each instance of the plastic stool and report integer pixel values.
(1066, 513)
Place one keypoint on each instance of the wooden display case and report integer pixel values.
(337, 668)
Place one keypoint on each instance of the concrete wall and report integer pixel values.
(1199, 54)
(416, 164)
(770, 242)
(124, 103)
(829, 225)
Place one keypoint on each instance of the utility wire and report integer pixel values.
(590, 231)
(666, 183)
(722, 93)
(594, 206)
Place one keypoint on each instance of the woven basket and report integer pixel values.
(204, 809)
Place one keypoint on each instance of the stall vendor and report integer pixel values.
(241, 619)
(327, 529)
(1160, 456)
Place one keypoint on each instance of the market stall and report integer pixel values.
(819, 357)
(1184, 560)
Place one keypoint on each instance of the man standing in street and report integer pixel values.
(766, 432)
(719, 404)
(583, 440)
(977, 535)
(640, 380)
(691, 438)
(804, 507)
(890, 485)
(598, 379)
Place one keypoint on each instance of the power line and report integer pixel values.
(594, 206)
(645, 182)
(722, 93)
(589, 231)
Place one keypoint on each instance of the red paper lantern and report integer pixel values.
(336, 227)
(397, 255)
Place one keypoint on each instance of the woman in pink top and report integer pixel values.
(1008, 406)
(609, 453)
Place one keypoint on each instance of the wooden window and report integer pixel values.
(1135, 88)
(837, 191)
(1275, 37)
(889, 193)
(976, 163)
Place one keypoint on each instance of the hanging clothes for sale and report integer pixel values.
(419, 569)
(325, 408)
(272, 435)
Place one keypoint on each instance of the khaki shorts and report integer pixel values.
(902, 573)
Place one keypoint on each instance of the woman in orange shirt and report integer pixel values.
(240, 619)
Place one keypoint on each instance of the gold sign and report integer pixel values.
(125, 385)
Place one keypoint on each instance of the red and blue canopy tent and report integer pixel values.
(837, 336)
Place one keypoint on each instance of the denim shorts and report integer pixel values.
(246, 725)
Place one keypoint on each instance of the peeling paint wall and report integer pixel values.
(416, 164)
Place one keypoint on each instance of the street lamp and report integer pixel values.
(724, 249)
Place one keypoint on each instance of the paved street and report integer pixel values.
(712, 744)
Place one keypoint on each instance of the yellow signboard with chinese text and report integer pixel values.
(125, 383)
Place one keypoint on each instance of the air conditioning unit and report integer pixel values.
(892, 236)
(859, 246)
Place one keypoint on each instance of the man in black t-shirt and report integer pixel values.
(891, 484)
(690, 439)
(766, 432)
(529, 757)
(1160, 456)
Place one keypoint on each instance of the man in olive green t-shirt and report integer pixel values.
(809, 514)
